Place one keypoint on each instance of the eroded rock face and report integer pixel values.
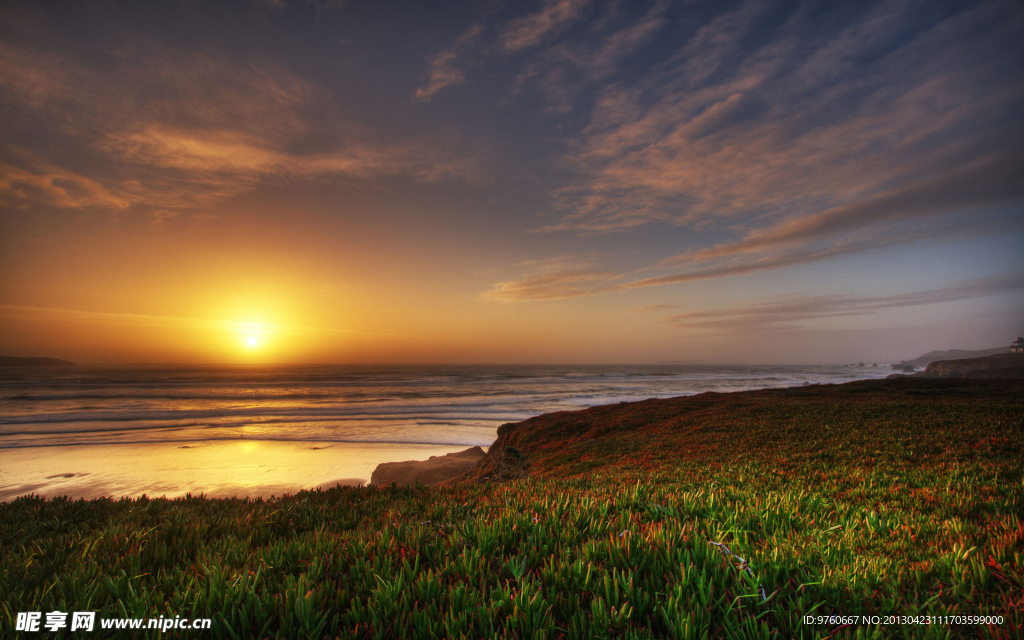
(431, 471)
(1008, 365)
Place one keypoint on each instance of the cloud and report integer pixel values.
(704, 266)
(551, 286)
(516, 35)
(725, 132)
(160, 215)
(899, 127)
(990, 182)
(443, 70)
(250, 157)
(791, 311)
(190, 323)
(56, 187)
(163, 129)
(151, 320)
(792, 155)
(945, 230)
(563, 70)
(533, 29)
(145, 81)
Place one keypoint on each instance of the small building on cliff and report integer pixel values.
(1017, 346)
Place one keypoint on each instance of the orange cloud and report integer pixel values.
(185, 130)
(552, 286)
(56, 187)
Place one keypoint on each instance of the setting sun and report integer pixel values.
(253, 335)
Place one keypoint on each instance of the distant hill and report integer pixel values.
(953, 354)
(11, 361)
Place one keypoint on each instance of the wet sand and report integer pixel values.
(216, 469)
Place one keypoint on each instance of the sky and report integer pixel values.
(562, 181)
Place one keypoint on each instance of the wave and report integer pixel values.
(309, 403)
(154, 426)
(263, 439)
(293, 413)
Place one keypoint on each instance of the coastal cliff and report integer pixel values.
(775, 427)
(952, 354)
(1005, 365)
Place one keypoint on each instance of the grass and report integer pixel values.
(901, 497)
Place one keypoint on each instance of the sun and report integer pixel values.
(253, 336)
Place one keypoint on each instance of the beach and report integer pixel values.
(243, 469)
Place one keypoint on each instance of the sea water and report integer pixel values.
(71, 416)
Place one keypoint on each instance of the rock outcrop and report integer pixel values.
(1005, 365)
(431, 471)
(904, 368)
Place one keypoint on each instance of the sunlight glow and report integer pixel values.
(253, 335)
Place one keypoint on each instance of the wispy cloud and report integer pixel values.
(563, 70)
(559, 70)
(176, 130)
(703, 265)
(250, 158)
(533, 29)
(900, 127)
(552, 286)
(444, 70)
(554, 278)
(151, 321)
(446, 66)
(791, 311)
(698, 140)
(56, 187)
(191, 323)
(990, 182)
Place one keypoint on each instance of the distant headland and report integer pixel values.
(952, 354)
(12, 361)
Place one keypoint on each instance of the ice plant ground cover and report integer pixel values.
(896, 497)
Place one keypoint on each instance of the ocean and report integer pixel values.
(446, 405)
(90, 431)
